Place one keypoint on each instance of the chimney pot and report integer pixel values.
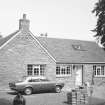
(24, 16)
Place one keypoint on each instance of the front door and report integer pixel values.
(78, 78)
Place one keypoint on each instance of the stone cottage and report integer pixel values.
(71, 61)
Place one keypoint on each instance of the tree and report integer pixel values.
(99, 11)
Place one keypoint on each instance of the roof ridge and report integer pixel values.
(66, 39)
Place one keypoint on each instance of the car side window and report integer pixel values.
(34, 80)
(30, 80)
(44, 80)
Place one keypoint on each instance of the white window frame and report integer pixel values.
(98, 69)
(40, 70)
(63, 71)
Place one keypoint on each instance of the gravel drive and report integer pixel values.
(43, 99)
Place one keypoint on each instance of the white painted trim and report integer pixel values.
(62, 76)
(42, 47)
(9, 40)
(98, 67)
(81, 63)
(94, 62)
(99, 76)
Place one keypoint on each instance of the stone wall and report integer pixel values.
(88, 71)
(19, 52)
(69, 80)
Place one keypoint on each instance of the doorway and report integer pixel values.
(78, 75)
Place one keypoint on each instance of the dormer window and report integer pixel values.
(78, 47)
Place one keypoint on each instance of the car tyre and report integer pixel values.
(57, 89)
(28, 91)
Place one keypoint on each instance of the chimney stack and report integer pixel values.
(24, 23)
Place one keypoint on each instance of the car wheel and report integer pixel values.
(28, 91)
(58, 89)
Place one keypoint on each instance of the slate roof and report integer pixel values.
(66, 50)
(5, 39)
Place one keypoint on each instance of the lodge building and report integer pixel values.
(72, 61)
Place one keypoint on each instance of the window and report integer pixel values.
(44, 80)
(63, 70)
(78, 47)
(29, 69)
(99, 70)
(42, 69)
(35, 70)
(68, 69)
(58, 70)
(34, 80)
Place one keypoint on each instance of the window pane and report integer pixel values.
(57, 70)
(41, 72)
(94, 70)
(29, 69)
(95, 73)
(63, 70)
(36, 71)
(68, 69)
(42, 69)
(29, 72)
(98, 71)
(102, 70)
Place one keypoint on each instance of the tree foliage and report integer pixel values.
(99, 11)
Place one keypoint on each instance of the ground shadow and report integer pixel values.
(5, 102)
(12, 93)
(37, 92)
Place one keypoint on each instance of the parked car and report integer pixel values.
(28, 85)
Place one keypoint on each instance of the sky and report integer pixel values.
(70, 19)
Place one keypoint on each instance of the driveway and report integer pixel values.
(6, 98)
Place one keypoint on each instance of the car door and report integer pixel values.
(46, 85)
(35, 84)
